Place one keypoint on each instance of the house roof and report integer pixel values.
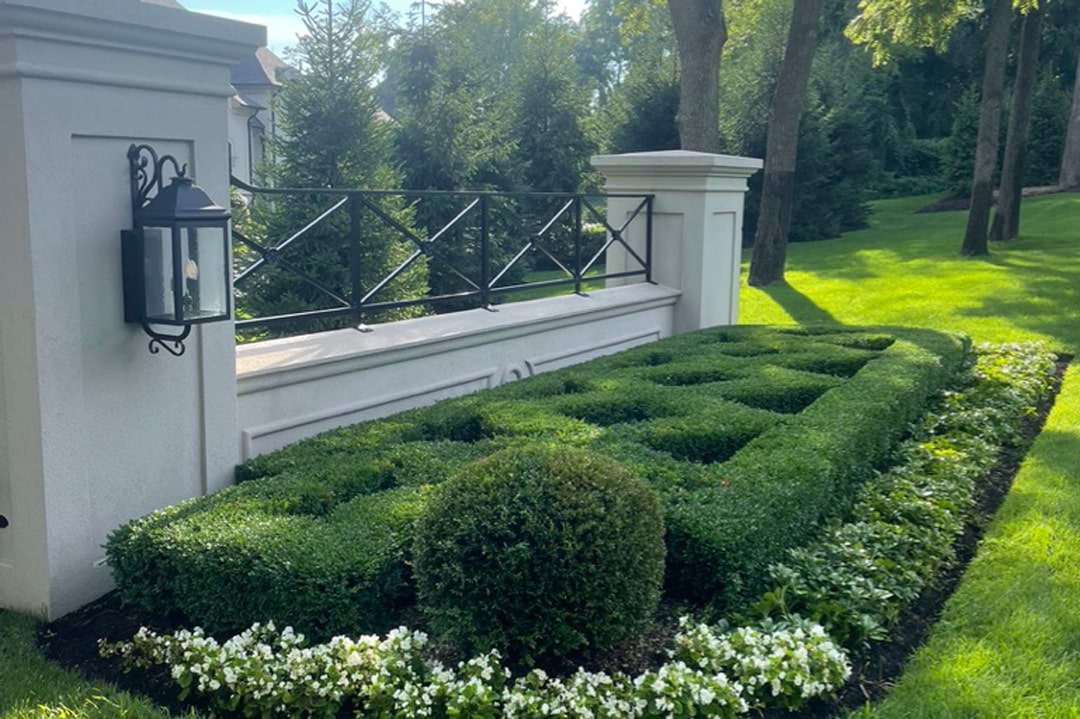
(243, 100)
(262, 68)
(166, 3)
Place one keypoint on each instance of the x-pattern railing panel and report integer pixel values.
(488, 263)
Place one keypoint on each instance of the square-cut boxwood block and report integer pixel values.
(243, 557)
(315, 457)
(632, 402)
(752, 436)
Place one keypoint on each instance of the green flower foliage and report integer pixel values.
(540, 552)
(865, 571)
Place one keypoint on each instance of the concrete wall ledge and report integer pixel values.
(293, 388)
(272, 363)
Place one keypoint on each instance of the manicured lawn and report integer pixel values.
(1008, 644)
(906, 270)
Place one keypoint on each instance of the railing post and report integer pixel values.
(485, 252)
(577, 245)
(355, 261)
(649, 239)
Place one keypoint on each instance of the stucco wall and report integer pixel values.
(297, 387)
(5, 475)
(97, 429)
(697, 225)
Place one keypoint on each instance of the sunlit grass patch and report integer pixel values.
(32, 688)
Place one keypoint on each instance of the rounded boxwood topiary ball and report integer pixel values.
(542, 553)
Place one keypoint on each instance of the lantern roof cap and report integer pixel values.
(181, 200)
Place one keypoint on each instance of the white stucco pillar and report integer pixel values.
(697, 226)
(95, 430)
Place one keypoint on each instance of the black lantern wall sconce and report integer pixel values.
(176, 259)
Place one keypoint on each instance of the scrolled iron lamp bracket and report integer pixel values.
(160, 341)
(177, 257)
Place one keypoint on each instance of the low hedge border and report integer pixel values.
(778, 489)
(763, 481)
(712, 671)
(858, 577)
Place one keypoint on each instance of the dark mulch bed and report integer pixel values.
(72, 640)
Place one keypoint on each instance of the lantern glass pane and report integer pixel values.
(204, 272)
(158, 275)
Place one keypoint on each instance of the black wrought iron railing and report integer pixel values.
(315, 258)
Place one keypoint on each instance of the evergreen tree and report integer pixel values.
(332, 137)
(551, 111)
(1049, 118)
(957, 163)
(489, 97)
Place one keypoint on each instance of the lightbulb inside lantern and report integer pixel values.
(191, 270)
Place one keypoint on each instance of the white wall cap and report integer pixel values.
(134, 24)
(681, 163)
(260, 364)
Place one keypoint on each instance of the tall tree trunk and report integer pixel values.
(782, 146)
(986, 146)
(1070, 157)
(1006, 225)
(700, 34)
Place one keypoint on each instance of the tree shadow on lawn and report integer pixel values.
(922, 255)
(1045, 300)
(800, 308)
(1033, 286)
(912, 239)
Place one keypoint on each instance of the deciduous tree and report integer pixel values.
(778, 193)
(883, 25)
(700, 34)
(986, 145)
(1006, 225)
(1070, 157)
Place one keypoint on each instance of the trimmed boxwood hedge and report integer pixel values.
(250, 553)
(751, 436)
(542, 553)
(783, 484)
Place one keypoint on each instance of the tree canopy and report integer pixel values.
(512, 95)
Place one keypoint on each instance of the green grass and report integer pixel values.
(1008, 644)
(906, 270)
(32, 688)
(539, 293)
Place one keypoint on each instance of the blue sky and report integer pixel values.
(282, 24)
